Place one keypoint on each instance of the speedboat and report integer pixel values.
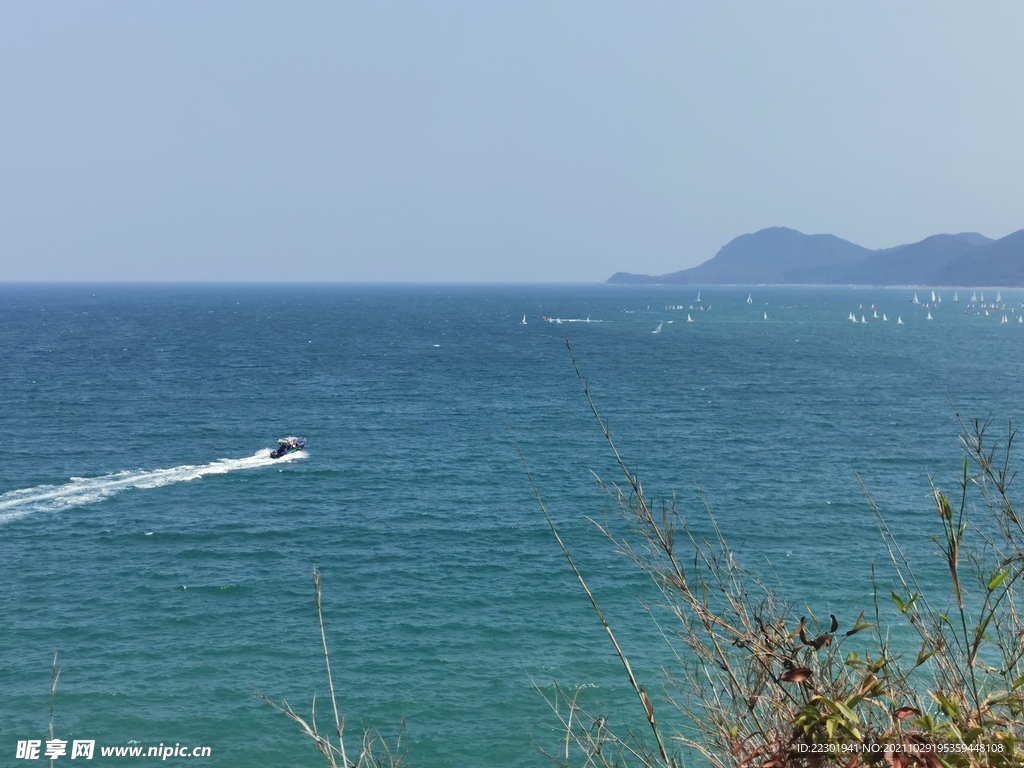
(288, 445)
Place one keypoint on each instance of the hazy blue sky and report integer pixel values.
(486, 141)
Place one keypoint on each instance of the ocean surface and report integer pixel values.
(147, 537)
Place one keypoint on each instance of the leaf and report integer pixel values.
(798, 675)
(904, 605)
(905, 713)
(997, 579)
(858, 625)
(924, 654)
(848, 713)
(950, 707)
(899, 602)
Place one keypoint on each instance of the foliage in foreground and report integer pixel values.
(757, 685)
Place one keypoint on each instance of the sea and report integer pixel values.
(149, 541)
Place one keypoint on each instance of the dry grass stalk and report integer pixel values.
(374, 751)
(54, 676)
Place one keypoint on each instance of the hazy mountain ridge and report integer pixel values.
(782, 256)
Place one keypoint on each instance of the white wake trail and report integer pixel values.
(88, 490)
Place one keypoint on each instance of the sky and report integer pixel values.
(492, 141)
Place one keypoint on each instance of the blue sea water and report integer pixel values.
(147, 538)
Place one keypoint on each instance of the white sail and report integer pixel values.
(915, 299)
(876, 314)
(999, 297)
(974, 296)
(929, 316)
(933, 297)
(899, 320)
(658, 329)
(862, 319)
(852, 318)
(982, 295)
(765, 315)
(524, 320)
(688, 318)
(750, 299)
(698, 295)
(884, 318)
(956, 297)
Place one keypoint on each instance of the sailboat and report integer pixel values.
(1020, 318)
(750, 299)
(915, 300)
(899, 320)
(1005, 319)
(658, 329)
(853, 318)
(956, 297)
(929, 316)
(688, 318)
(765, 315)
(524, 320)
(876, 314)
(999, 297)
(974, 296)
(933, 297)
(698, 296)
(884, 318)
(862, 319)
(983, 296)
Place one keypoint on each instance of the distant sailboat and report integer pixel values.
(688, 318)
(929, 316)
(750, 299)
(974, 296)
(876, 314)
(956, 297)
(899, 320)
(862, 319)
(987, 314)
(915, 300)
(933, 297)
(1005, 319)
(658, 329)
(982, 295)
(884, 318)
(524, 320)
(698, 296)
(999, 297)
(853, 318)
(1020, 318)
(765, 315)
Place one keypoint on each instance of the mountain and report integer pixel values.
(780, 256)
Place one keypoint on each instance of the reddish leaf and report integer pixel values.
(798, 675)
